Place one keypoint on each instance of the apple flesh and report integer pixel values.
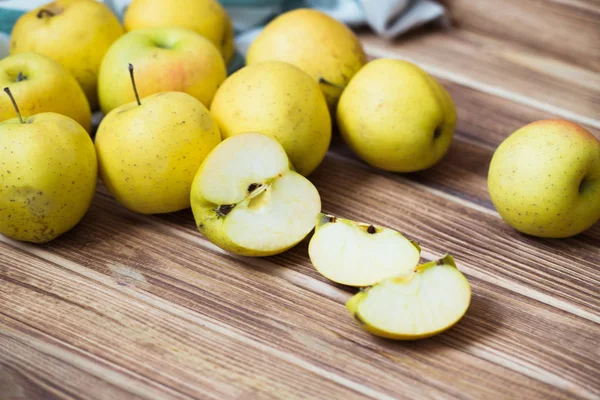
(358, 254)
(247, 200)
(421, 304)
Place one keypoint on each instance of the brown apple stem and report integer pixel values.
(20, 77)
(7, 90)
(137, 97)
(44, 12)
(326, 82)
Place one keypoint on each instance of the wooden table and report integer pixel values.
(131, 306)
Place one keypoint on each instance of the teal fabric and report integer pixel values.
(8, 17)
(387, 18)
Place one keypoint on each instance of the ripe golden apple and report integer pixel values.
(41, 84)
(76, 33)
(396, 117)
(314, 42)
(149, 152)
(206, 17)
(48, 174)
(279, 100)
(166, 60)
(544, 179)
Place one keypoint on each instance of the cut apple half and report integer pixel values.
(359, 254)
(419, 305)
(247, 200)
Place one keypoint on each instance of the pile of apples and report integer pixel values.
(179, 133)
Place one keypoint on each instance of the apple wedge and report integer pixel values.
(359, 254)
(415, 306)
(247, 200)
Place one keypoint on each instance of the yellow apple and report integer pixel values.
(48, 174)
(246, 200)
(149, 150)
(359, 254)
(396, 117)
(166, 60)
(206, 17)
(314, 42)
(76, 33)
(279, 100)
(544, 179)
(41, 84)
(416, 305)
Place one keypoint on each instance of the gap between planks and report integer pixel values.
(302, 281)
(487, 88)
(113, 374)
(184, 313)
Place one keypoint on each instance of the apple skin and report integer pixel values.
(48, 174)
(535, 179)
(148, 155)
(275, 216)
(279, 100)
(78, 36)
(165, 60)
(47, 86)
(314, 42)
(206, 17)
(396, 117)
(353, 305)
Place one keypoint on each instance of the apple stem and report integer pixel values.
(137, 97)
(7, 90)
(326, 82)
(20, 77)
(45, 13)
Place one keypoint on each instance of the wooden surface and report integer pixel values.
(131, 306)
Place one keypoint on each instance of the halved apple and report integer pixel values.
(415, 306)
(246, 199)
(359, 254)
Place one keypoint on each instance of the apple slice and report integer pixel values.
(247, 200)
(415, 306)
(358, 254)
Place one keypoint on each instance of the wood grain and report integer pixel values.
(567, 29)
(127, 306)
(302, 321)
(188, 355)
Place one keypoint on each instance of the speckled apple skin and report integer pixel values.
(544, 179)
(48, 175)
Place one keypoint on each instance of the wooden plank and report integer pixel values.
(191, 356)
(34, 367)
(501, 68)
(276, 307)
(568, 29)
(484, 121)
(558, 268)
